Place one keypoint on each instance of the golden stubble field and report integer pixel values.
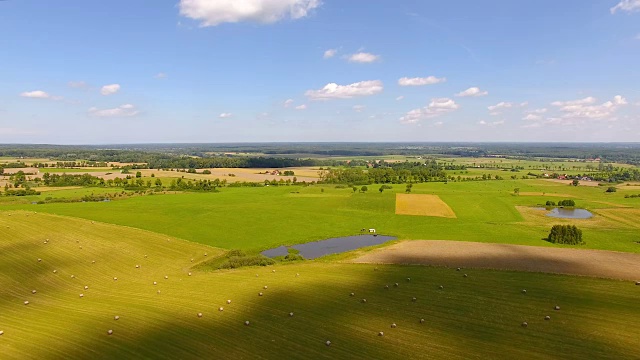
(422, 205)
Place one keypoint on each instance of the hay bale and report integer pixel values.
(166, 277)
(465, 275)
(364, 301)
(55, 271)
(524, 291)
(441, 287)
(328, 343)
(189, 274)
(191, 259)
(145, 256)
(221, 308)
(380, 333)
(39, 260)
(110, 332)
(274, 270)
(352, 294)
(524, 324)
(205, 254)
(393, 326)
(246, 323)
(386, 286)
(408, 279)
(93, 261)
(158, 291)
(265, 287)
(26, 302)
(297, 274)
(115, 278)
(137, 266)
(637, 282)
(1, 332)
(80, 247)
(33, 291)
(290, 314)
(228, 301)
(116, 317)
(556, 307)
(259, 294)
(421, 321)
(547, 317)
(414, 299)
(199, 315)
(155, 283)
(86, 287)
(81, 295)
(73, 276)
(458, 269)
(396, 285)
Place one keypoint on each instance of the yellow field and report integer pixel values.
(422, 205)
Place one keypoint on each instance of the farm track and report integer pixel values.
(594, 263)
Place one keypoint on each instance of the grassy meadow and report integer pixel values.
(478, 316)
(261, 218)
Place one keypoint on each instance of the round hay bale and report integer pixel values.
(259, 294)
(221, 309)
(55, 271)
(393, 326)
(115, 278)
(86, 287)
(199, 315)
(155, 283)
(246, 323)
(189, 274)
(421, 321)
(352, 294)
(191, 259)
(556, 307)
(465, 275)
(145, 256)
(33, 291)
(205, 254)
(458, 269)
(26, 302)
(386, 286)
(80, 247)
(273, 270)
(45, 241)
(81, 295)
(265, 287)
(158, 291)
(414, 299)
(228, 301)
(547, 317)
(328, 343)
(637, 282)
(380, 333)
(441, 287)
(290, 314)
(297, 274)
(256, 275)
(524, 291)
(39, 260)
(364, 301)
(524, 324)
(73, 276)
(166, 277)
(110, 332)
(408, 279)
(116, 317)
(93, 261)
(1, 332)
(137, 266)
(396, 285)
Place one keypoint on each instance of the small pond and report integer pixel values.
(569, 213)
(317, 249)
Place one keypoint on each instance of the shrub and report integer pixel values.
(550, 203)
(566, 203)
(565, 234)
(611, 189)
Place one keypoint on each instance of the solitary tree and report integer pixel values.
(354, 189)
(364, 188)
(516, 191)
(138, 174)
(409, 186)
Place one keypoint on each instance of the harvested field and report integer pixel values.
(422, 205)
(569, 182)
(594, 263)
(239, 174)
(628, 216)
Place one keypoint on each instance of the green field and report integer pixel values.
(261, 218)
(475, 317)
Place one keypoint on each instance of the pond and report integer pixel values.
(569, 213)
(317, 249)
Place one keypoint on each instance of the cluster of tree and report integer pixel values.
(631, 196)
(392, 173)
(196, 185)
(20, 192)
(71, 180)
(565, 234)
(567, 203)
(187, 162)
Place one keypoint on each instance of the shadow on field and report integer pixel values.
(478, 316)
(586, 262)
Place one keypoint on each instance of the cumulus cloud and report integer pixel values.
(216, 12)
(500, 106)
(472, 92)
(532, 117)
(301, 107)
(225, 115)
(399, 98)
(110, 89)
(330, 53)
(538, 111)
(77, 84)
(126, 110)
(626, 5)
(36, 94)
(358, 108)
(437, 107)
(491, 124)
(585, 108)
(363, 58)
(160, 75)
(417, 81)
(335, 91)
(287, 103)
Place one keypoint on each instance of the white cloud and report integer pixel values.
(358, 108)
(39, 94)
(330, 53)
(399, 98)
(436, 107)
(500, 106)
(126, 110)
(429, 80)
(301, 107)
(77, 84)
(584, 109)
(363, 57)
(537, 111)
(161, 76)
(287, 103)
(216, 12)
(532, 117)
(225, 115)
(335, 91)
(110, 89)
(626, 5)
(472, 92)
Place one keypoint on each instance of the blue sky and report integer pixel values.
(96, 72)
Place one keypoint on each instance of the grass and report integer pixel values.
(422, 205)
(475, 317)
(261, 218)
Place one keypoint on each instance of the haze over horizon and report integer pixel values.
(220, 71)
